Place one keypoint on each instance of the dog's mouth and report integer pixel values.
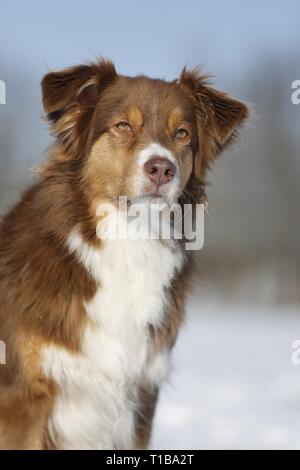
(155, 195)
(164, 193)
(149, 199)
(144, 191)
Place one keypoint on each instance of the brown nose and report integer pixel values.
(159, 170)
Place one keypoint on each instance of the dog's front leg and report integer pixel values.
(22, 421)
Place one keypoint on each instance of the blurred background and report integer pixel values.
(233, 384)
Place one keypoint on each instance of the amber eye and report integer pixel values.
(181, 133)
(124, 126)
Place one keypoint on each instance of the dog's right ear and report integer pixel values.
(69, 98)
(219, 118)
(81, 85)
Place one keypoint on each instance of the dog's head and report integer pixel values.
(138, 137)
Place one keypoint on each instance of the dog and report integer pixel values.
(89, 322)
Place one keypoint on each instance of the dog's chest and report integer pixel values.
(99, 387)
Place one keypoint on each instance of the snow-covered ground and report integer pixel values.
(233, 383)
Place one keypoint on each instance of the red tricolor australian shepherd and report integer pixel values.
(89, 323)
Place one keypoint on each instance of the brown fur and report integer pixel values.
(43, 287)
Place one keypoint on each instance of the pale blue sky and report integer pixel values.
(155, 37)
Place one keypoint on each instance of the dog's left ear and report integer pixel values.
(70, 97)
(79, 85)
(219, 117)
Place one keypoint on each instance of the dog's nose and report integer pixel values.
(160, 170)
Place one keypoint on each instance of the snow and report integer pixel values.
(233, 384)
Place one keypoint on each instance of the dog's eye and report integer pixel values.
(124, 126)
(181, 133)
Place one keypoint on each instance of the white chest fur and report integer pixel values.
(97, 399)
